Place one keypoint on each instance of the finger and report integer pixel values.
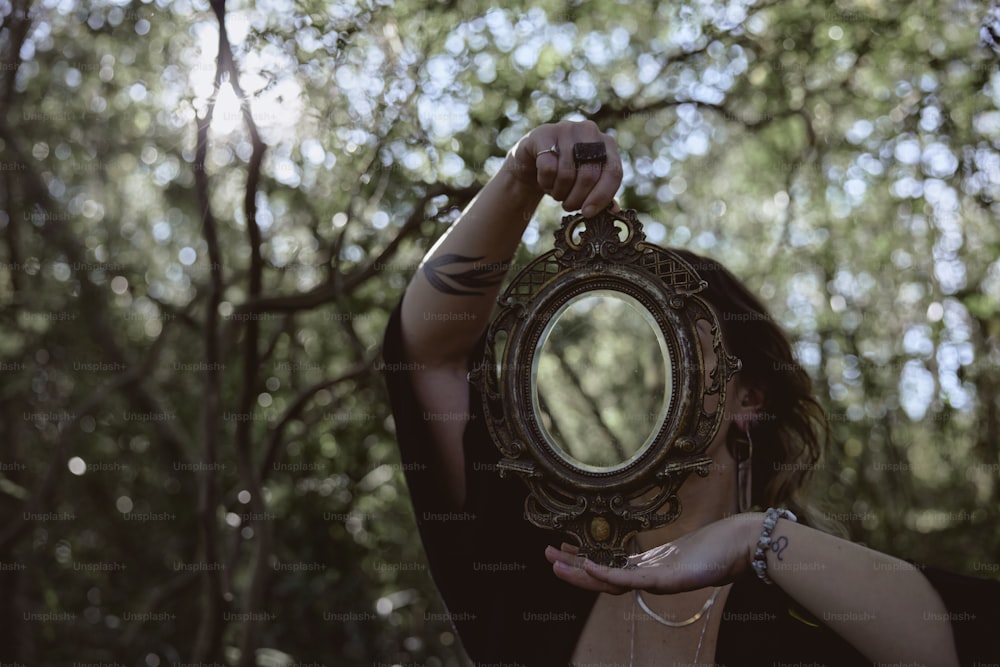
(588, 174)
(602, 193)
(619, 578)
(565, 173)
(540, 142)
(579, 576)
(570, 568)
(571, 548)
(563, 556)
(547, 166)
(579, 179)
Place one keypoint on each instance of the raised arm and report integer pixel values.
(447, 305)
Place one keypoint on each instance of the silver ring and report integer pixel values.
(554, 150)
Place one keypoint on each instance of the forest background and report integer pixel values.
(197, 460)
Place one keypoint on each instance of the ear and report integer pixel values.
(750, 406)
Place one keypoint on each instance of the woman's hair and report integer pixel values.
(791, 432)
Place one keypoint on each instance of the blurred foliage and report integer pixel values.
(841, 157)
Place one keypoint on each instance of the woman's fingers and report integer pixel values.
(547, 165)
(560, 174)
(620, 578)
(563, 555)
(590, 184)
(587, 175)
(647, 573)
(572, 569)
(607, 185)
(570, 548)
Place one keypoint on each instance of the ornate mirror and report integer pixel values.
(598, 387)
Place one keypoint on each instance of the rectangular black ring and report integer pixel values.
(589, 152)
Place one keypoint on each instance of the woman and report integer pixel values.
(697, 589)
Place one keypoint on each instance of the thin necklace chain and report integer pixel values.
(676, 624)
(706, 610)
(701, 637)
(631, 648)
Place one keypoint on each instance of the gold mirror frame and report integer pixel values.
(601, 509)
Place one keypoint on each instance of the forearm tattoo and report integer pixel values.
(464, 283)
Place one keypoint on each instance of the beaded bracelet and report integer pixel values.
(760, 556)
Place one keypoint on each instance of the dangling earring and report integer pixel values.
(742, 451)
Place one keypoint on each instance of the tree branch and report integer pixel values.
(208, 643)
(298, 405)
(254, 599)
(330, 290)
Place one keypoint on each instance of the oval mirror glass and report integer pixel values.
(601, 380)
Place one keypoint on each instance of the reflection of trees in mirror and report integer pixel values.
(551, 425)
(601, 380)
(600, 446)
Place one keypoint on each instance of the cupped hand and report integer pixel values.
(589, 187)
(710, 556)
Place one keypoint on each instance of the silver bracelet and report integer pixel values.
(764, 541)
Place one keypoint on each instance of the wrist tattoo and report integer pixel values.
(779, 545)
(464, 283)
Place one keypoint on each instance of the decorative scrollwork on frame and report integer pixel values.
(583, 240)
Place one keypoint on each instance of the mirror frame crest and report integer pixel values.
(602, 509)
